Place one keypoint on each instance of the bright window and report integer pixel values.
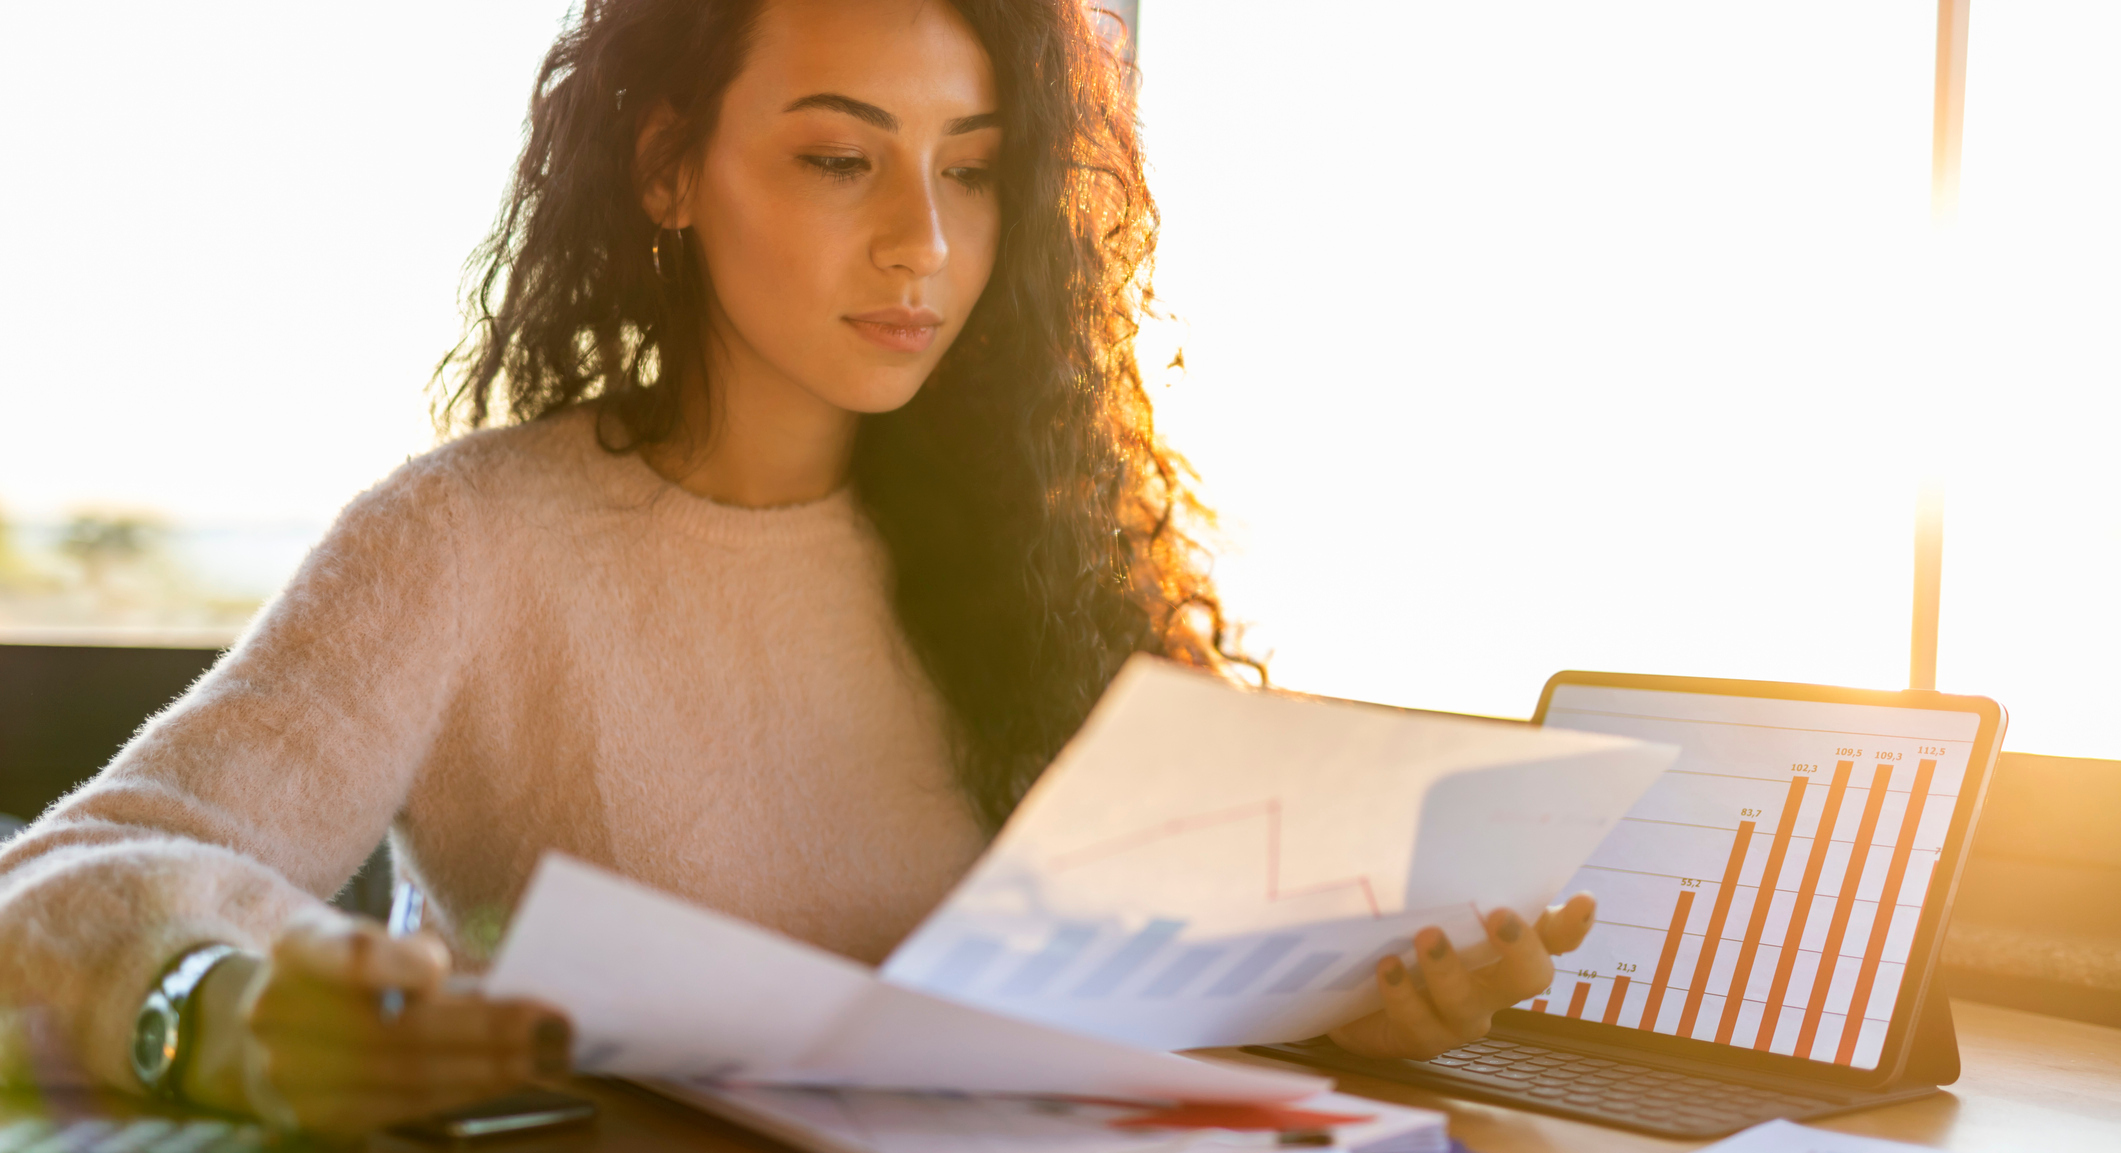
(1517, 335)
(1541, 334)
(232, 242)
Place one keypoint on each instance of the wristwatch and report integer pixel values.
(166, 1031)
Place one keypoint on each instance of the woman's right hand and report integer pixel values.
(302, 1029)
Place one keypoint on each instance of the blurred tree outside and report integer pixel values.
(14, 571)
(107, 569)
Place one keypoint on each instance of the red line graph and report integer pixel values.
(1268, 810)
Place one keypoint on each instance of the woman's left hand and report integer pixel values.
(1457, 1005)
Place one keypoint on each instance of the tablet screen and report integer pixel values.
(1765, 892)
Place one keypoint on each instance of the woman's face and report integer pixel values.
(845, 207)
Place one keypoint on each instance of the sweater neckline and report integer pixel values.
(833, 515)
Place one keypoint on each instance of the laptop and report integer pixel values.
(1741, 968)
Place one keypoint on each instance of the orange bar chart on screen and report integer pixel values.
(1672, 939)
(1615, 999)
(1888, 905)
(1763, 903)
(1706, 963)
(1823, 983)
(1800, 915)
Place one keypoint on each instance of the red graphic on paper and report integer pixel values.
(1179, 826)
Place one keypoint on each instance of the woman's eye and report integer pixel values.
(838, 167)
(975, 178)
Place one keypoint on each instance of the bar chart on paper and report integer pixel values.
(1765, 892)
(1117, 975)
(1206, 865)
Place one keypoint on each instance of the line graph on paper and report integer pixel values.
(1267, 813)
(1093, 972)
(1207, 865)
(1765, 892)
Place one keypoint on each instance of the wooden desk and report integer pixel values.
(2031, 1083)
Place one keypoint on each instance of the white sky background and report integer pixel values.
(1521, 335)
(1543, 334)
(233, 237)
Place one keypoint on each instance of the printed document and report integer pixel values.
(841, 1121)
(1205, 865)
(657, 987)
(1202, 865)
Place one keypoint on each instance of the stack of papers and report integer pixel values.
(661, 988)
(1203, 865)
(852, 1121)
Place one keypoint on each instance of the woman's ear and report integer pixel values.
(665, 185)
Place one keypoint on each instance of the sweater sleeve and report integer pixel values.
(259, 792)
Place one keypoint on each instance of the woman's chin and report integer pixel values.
(873, 391)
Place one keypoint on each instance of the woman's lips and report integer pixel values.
(898, 329)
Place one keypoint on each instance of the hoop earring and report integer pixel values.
(655, 255)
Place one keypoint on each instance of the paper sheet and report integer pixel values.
(855, 1122)
(1205, 865)
(1790, 1137)
(657, 987)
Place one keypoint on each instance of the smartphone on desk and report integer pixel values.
(523, 1112)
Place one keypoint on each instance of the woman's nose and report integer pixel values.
(910, 233)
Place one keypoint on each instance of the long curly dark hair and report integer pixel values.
(1037, 525)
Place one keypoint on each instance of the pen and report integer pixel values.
(406, 907)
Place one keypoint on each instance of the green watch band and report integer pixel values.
(164, 1034)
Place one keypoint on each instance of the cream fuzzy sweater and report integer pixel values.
(516, 643)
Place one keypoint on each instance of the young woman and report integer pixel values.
(827, 504)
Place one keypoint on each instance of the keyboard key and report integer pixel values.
(1448, 1061)
(1549, 1091)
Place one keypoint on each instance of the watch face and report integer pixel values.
(154, 1040)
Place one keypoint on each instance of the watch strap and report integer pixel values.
(165, 1032)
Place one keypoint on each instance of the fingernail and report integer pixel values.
(1395, 972)
(1510, 929)
(550, 1040)
(1439, 946)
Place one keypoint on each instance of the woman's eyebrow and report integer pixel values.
(859, 109)
(869, 113)
(964, 124)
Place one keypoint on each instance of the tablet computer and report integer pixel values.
(1770, 911)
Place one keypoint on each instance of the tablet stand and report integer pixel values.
(1933, 1050)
